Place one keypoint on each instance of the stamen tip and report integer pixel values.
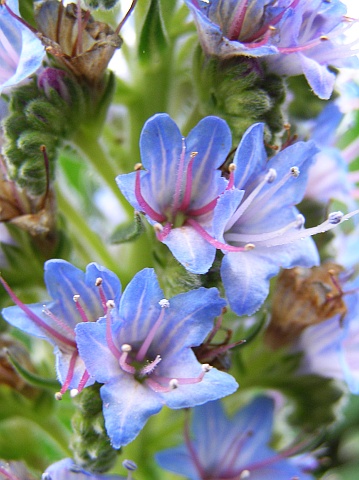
(249, 246)
(138, 166)
(244, 474)
(295, 172)
(271, 175)
(193, 154)
(98, 282)
(164, 303)
(76, 298)
(158, 227)
(335, 217)
(300, 221)
(232, 167)
(206, 367)
(58, 396)
(129, 465)
(173, 384)
(110, 304)
(74, 392)
(126, 348)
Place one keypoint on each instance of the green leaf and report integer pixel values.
(153, 39)
(128, 232)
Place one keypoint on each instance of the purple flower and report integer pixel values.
(231, 448)
(182, 181)
(256, 224)
(331, 348)
(66, 469)
(21, 52)
(294, 36)
(142, 353)
(76, 297)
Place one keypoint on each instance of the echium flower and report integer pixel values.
(76, 297)
(66, 469)
(181, 181)
(141, 352)
(294, 36)
(231, 448)
(256, 224)
(330, 349)
(21, 52)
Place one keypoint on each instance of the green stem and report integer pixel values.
(99, 159)
(92, 248)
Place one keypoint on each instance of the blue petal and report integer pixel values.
(26, 45)
(127, 405)
(319, 77)
(62, 368)
(178, 460)
(190, 249)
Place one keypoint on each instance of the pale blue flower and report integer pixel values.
(75, 297)
(256, 223)
(66, 469)
(182, 181)
(292, 36)
(142, 353)
(231, 448)
(21, 52)
(331, 348)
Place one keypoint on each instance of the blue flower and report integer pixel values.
(21, 52)
(66, 469)
(331, 348)
(231, 448)
(142, 352)
(295, 37)
(256, 224)
(181, 181)
(76, 297)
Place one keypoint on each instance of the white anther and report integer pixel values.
(58, 396)
(138, 166)
(271, 175)
(232, 167)
(294, 171)
(164, 303)
(126, 348)
(173, 383)
(300, 221)
(249, 246)
(74, 392)
(335, 217)
(193, 154)
(158, 227)
(244, 474)
(129, 465)
(76, 298)
(110, 304)
(206, 367)
(98, 282)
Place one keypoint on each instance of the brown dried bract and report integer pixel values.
(304, 297)
(83, 45)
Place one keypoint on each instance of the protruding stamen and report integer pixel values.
(40, 323)
(231, 168)
(162, 231)
(58, 321)
(126, 349)
(213, 241)
(335, 217)
(98, 284)
(130, 466)
(58, 396)
(268, 178)
(70, 373)
(80, 309)
(74, 392)
(295, 172)
(83, 381)
(124, 20)
(110, 304)
(146, 208)
(146, 344)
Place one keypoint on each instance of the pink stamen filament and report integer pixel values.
(233, 453)
(146, 208)
(80, 308)
(180, 174)
(7, 475)
(111, 345)
(146, 344)
(124, 20)
(40, 323)
(215, 329)
(203, 210)
(59, 322)
(187, 381)
(19, 19)
(98, 284)
(188, 190)
(123, 361)
(213, 241)
(236, 26)
(83, 381)
(264, 40)
(162, 232)
(70, 373)
(192, 450)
